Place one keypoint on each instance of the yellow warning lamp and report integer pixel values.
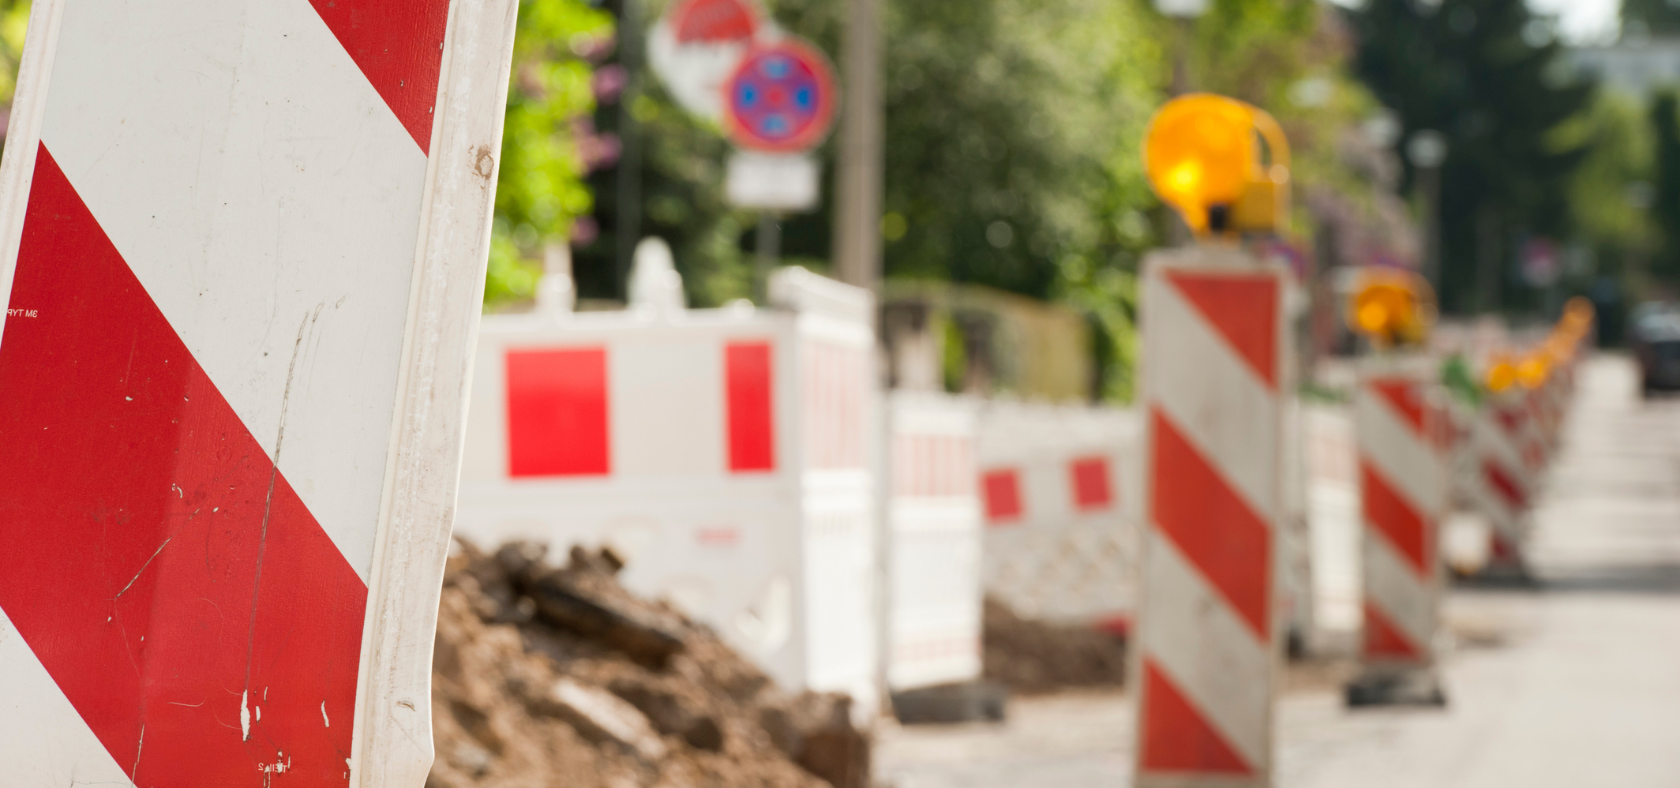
(1202, 154)
(1391, 307)
(1578, 311)
(1532, 370)
(1502, 375)
(1558, 348)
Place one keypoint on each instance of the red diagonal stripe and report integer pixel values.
(398, 45)
(1404, 396)
(150, 555)
(1176, 737)
(1242, 308)
(1383, 639)
(1389, 514)
(1212, 525)
(1502, 483)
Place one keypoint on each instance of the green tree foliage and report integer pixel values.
(540, 189)
(1665, 203)
(1477, 71)
(1015, 128)
(1611, 192)
(1655, 17)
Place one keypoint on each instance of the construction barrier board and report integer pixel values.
(1403, 498)
(1216, 372)
(724, 453)
(242, 247)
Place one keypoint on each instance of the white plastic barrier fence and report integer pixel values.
(933, 509)
(1060, 489)
(724, 453)
(1333, 516)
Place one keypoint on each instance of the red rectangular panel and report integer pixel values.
(557, 412)
(1092, 489)
(1002, 492)
(748, 374)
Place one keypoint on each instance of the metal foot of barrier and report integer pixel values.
(1407, 687)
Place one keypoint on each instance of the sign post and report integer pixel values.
(778, 105)
(242, 246)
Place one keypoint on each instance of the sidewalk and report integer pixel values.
(1576, 683)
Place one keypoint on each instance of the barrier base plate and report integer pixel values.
(1390, 687)
(974, 701)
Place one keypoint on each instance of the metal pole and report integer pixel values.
(1429, 182)
(857, 215)
(769, 250)
(628, 227)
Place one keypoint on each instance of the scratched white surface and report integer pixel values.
(270, 203)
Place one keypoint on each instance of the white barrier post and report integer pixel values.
(242, 246)
(1403, 494)
(1216, 371)
(934, 516)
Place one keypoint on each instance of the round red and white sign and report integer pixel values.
(782, 98)
(696, 46)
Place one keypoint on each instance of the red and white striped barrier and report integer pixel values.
(1491, 471)
(725, 453)
(1403, 496)
(1215, 375)
(242, 246)
(933, 511)
(1060, 492)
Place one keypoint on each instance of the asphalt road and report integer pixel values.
(1574, 683)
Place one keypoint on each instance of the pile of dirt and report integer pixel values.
(1037, 657)
(557, 676)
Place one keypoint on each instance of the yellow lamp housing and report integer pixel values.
(1391, 307)
(1202, 154)
(1502, 375)
(1264, 204)
(1579, 310)
(1533, 370)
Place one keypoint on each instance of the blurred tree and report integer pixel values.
(540, 190)
(1477, 71)
(1650, 17)
(1013, 134)
(1611, 194)
(1665, 196)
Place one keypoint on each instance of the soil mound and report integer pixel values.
(557, 676)
(1033, 657)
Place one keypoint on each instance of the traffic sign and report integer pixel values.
(241, 248)
(781, 98)
(697, 44)
(772, 181)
